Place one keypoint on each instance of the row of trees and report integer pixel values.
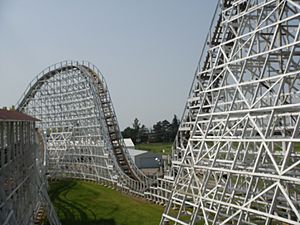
(162, 131)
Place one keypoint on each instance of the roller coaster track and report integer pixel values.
(64, 133)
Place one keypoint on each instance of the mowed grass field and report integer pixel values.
(84, 203)
(156, 147)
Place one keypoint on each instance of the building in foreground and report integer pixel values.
(22, 194)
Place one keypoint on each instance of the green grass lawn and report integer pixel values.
(84, 203)
(156, 147)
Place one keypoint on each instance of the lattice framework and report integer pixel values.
(237, 151)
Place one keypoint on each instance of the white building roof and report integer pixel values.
(128, 143)
(135, 152)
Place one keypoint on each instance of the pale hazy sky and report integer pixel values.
(146, 50)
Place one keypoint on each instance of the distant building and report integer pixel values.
(145, 159)
(149, 162)
(129, 143)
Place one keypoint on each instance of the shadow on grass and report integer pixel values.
(71, 212)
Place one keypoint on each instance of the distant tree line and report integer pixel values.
(162, 131)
